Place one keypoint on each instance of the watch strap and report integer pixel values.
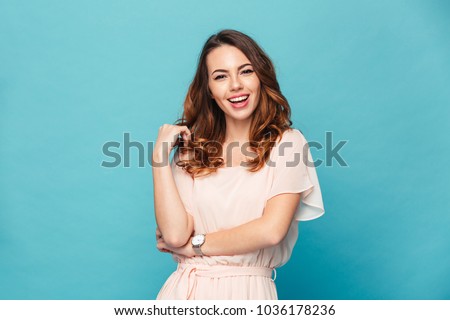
(198, 251)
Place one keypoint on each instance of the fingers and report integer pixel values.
(158, 233)
(175, 130)
(161, 246)
(185, 132)
(171, 133)
(186, 135)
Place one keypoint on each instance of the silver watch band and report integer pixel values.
(197, 250)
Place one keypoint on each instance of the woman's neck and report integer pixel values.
(237, 131)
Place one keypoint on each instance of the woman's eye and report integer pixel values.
(247, 71)
(221, 76)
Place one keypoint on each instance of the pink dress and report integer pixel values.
(233, 196)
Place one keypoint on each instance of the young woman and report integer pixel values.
(228, 205)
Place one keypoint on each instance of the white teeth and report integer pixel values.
(238, 99)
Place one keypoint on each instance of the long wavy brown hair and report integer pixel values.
(206, 120)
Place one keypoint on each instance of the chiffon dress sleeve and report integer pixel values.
(294, 172)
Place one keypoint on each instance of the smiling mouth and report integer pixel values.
(239, 99)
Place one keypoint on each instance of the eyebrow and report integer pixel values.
(240, 67)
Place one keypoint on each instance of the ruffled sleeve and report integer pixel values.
(294, 172)
(184, 183)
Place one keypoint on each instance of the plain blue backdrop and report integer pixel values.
(75, 75)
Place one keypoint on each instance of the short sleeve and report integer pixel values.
(294, 172)
(184, 183)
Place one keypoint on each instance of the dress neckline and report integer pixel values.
(233, 167)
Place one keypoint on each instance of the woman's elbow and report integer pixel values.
(178, 237)
(175, 241)
(276, 237)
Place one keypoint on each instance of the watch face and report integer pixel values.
(198, 240)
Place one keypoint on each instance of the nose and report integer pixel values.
(235, 83)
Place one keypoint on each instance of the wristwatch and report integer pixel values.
(197, 242)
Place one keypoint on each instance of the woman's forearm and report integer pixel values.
(175, 224)
(266, 231)
(249, 237)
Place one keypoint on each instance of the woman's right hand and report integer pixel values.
(167, 137)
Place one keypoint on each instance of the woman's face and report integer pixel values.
(232, 82)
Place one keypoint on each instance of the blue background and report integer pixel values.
(75, 75)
